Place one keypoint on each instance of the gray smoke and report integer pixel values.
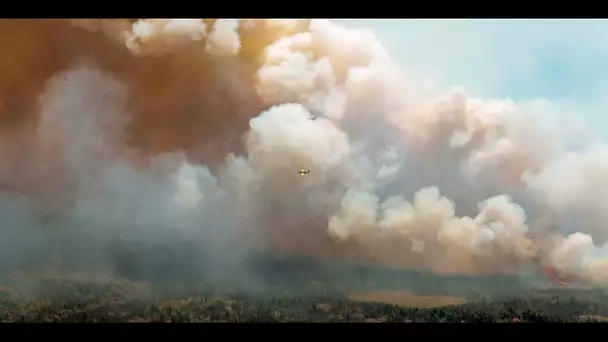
(161, 131)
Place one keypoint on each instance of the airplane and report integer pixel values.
(303, 172)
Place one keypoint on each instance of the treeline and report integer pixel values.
(294, 309)
(122, 301)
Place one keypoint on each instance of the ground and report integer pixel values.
(406, 299)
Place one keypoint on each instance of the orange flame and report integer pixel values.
(550, 272)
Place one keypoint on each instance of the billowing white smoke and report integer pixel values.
(453, 183)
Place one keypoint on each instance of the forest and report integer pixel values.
(296, 290)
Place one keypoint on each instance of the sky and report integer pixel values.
(560, 62)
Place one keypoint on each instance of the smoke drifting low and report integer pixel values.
(161, 132)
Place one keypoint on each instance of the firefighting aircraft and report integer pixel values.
(303, 172)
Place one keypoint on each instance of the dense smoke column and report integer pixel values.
(190, 99)
(189, 133)
(168, 90)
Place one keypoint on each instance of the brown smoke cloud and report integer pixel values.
(161, 129)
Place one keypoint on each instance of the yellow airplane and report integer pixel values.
(303, 172)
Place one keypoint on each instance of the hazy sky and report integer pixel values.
(558, 60)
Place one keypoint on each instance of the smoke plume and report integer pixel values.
(166, 131)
